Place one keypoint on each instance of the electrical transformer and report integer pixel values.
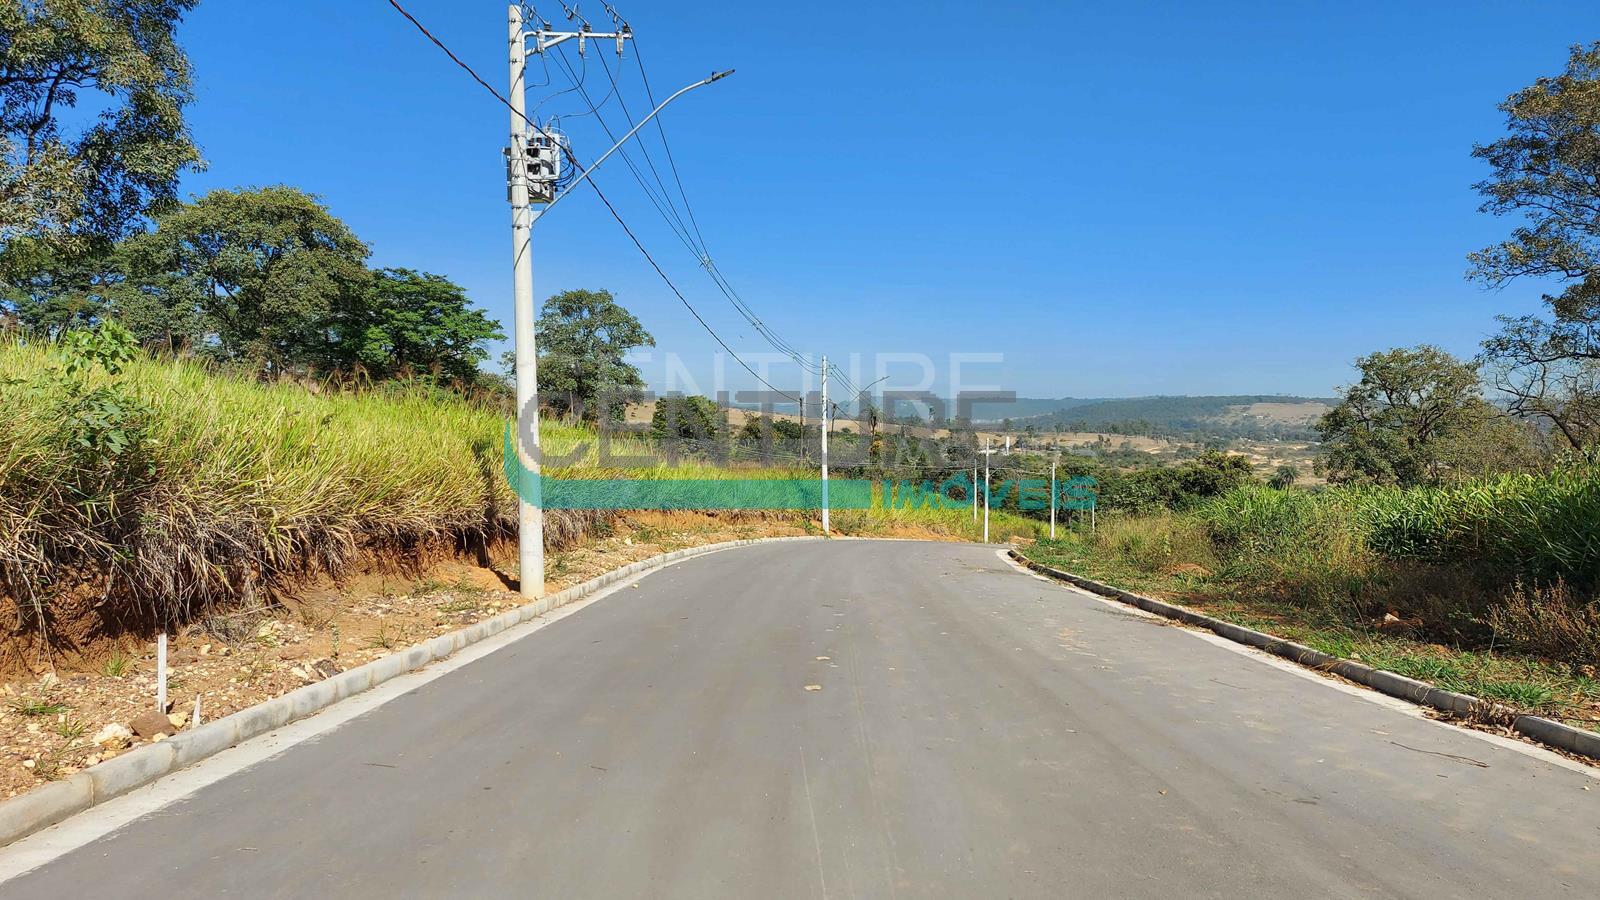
(541, 159)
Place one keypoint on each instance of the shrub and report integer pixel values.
(1550, 621)
(1155, 543)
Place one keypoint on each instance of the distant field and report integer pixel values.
(1305, 412)
(1090, 438)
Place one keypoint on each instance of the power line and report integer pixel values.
(643, 149)
(679, 230)
(447, 52)
(661, 129)
(679, 294)
(599, 193)
(669, 213)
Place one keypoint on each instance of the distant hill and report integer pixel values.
(1256, 416)
(1025, 408)
(1241, 415)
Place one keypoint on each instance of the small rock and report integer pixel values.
(178, 719)
(325, 668)
(813, 687)
(151, 724)
(113, 736)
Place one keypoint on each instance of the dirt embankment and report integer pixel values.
(65, 711)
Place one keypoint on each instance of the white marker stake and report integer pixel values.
(161, 673)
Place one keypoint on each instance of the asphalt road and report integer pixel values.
(977, 733)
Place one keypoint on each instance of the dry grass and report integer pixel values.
(228, 489)
(226, 492)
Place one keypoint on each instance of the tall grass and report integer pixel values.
(1513, 558)
(232, 484)
(1542, 527)
(229, 488)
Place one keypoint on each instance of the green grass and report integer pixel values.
(116, 665)
(37, 706)
(237, 481)
(232, 486)
(72, 729)
(1251, 577)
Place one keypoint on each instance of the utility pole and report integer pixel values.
(826, 421)
(987, 451)
(1053, 458)
(802, 405)
(534, 161)
(530, 518)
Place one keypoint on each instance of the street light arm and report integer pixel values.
(715, 76)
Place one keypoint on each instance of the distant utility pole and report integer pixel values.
(987, 451)
(1053, 458)
(974, 490)
(826, 421)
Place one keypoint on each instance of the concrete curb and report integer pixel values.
(1545, 731)
(51, 803)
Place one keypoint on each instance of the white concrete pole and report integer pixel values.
(1052, 499)
(986, 452)
(826, 423)
(530, 518)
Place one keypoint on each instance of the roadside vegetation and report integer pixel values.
(1458, 539)
(167, 488)
(1483, 587)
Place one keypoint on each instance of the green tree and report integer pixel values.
(1213, 473)
(1284, 477)
(755, 428)
(790, 430)
(279, 282)
(1405, 420)
(66, 186)
(583, 339)
(679, 418)
(1547, 169)
(421, 323)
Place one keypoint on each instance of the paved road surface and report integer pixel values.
(978, 733)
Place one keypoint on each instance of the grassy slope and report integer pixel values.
(236, 485)
(1385, 577)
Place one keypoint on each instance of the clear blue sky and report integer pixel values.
(1123, 199)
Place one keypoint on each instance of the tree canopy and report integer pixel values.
(66, 188)
(692, 418)
(584, 337)
(268, 280)
(415, 322)
(1547, 169)
(277, 277)
(1416, 415)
